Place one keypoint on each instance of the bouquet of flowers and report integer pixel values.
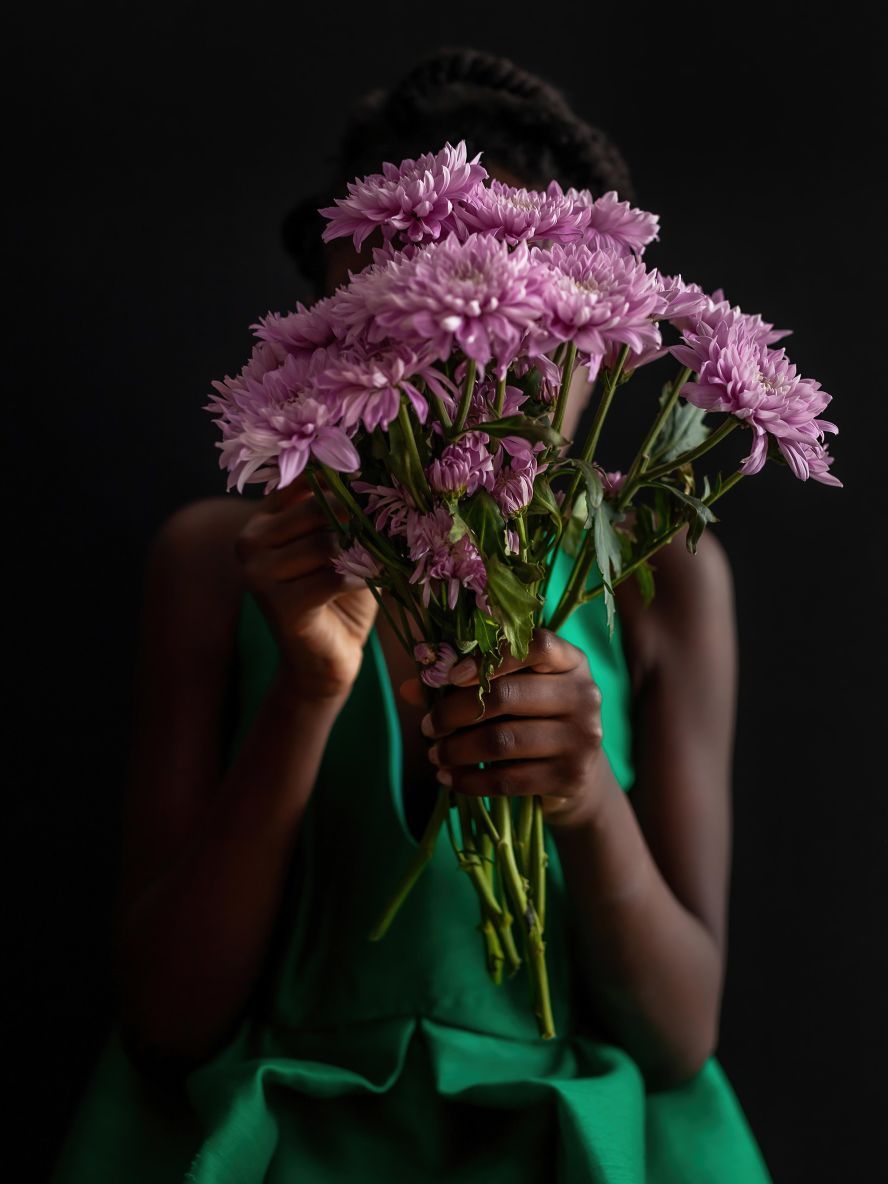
(427, 395)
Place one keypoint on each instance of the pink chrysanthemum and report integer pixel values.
(738, 374)
(304, 329)
(390, 503)
(442, 562)
(438, 661)
(715, 310)
(272, 420)
(476, 295)
(513, 487)
(356, 560)
(463, 467)
(520, 215)
(415, 198)
(370, 385)
(596, 299)
(612, 482)
(615, 224)
(676, 300)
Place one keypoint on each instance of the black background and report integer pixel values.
(154, 151)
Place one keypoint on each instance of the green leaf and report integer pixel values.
(543, 503)
(485, 520)
(487, 632)
(512, 604)
(644, 575)
(574, 532)
(529, 573)
(400, 459)
(696, 513)
(459, 527)
(608, 555)
(594, 492)
(684, 429)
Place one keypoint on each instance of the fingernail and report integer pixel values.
(433, 754)
(426, 726)
(463, 671)
(445, 777)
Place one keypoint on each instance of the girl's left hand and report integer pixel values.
(540, 731)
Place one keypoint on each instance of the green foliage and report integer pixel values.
(608, 553)
(644, 576)
(693, 510)
(401, 459)
(513, 604)
(682, 430)
(485, 520)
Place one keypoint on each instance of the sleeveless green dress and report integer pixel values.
(399, 1060)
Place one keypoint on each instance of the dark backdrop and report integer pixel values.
(154, 151)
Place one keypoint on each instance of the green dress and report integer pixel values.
(400, 1060)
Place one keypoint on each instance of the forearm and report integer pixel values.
(651, 968)
(191, 948)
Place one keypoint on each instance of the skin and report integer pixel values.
(204, 856)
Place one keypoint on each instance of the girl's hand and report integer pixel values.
(320, 619)
(540, 731)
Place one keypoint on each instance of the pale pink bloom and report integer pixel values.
(370, 385)
(438, 661)
(477, 295)
(513, 488)
(390, 503)
(463, 467)
(415, 199)
(739, 374)
(615, 224)
(612, 482)
(272, 421)
(519, 215)
(440, 561)
(356, 560)
(599, 300)
(304, 329)
(716, 311)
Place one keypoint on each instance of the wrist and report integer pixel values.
(586, 811)
(295, 692)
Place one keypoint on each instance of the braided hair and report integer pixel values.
(515, 119)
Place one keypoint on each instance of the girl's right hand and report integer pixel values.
(319, 618)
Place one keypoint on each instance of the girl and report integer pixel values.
(278, 788)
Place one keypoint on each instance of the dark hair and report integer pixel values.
(515, 119)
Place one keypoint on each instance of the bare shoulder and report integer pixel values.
(693, 602)
(193, 553)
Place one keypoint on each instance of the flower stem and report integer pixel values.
(441, 411)
(500, 397)
(471, 862)
(373, 539)
(529, 923)
(566, 376)
(420, 486)
(660, 541)
(466, 400)
(424, 853)
(610, 385)
(521, 525)
(539, 861)
(642, 457)
(522, 841)
(692, 454)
